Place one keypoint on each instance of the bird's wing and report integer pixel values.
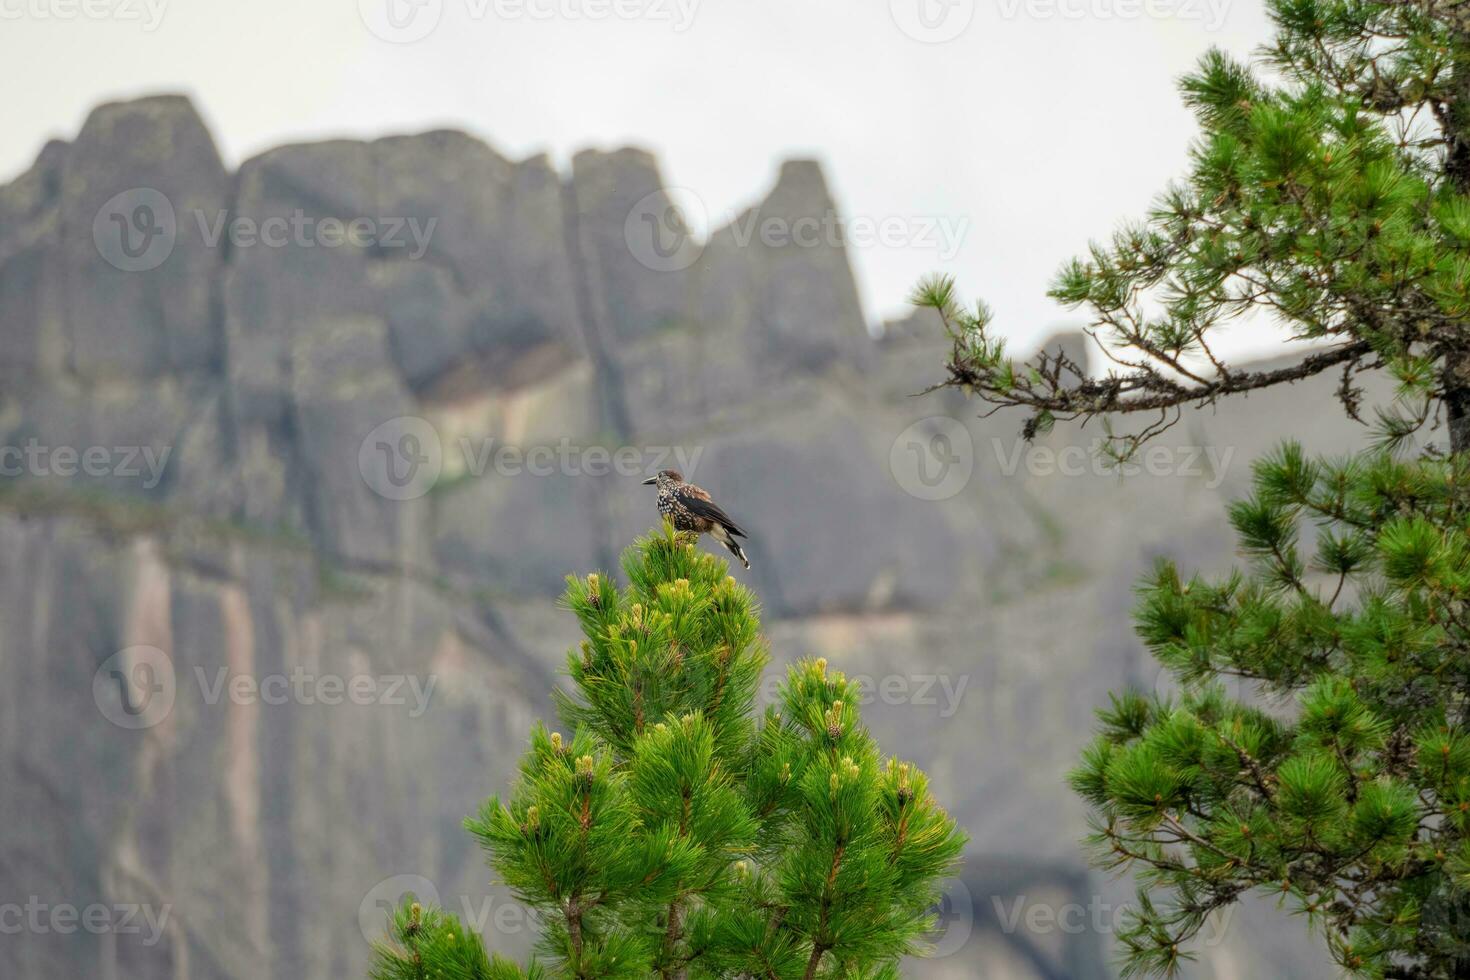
(699, 504)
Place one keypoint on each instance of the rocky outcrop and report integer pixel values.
(360, 406)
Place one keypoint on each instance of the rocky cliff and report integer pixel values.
(297, 456)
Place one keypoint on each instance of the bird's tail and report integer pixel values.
(725, 538)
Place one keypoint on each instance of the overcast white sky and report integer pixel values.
(1039, 125)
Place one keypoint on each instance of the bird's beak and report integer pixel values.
(651, 480)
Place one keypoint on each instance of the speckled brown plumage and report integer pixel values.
(689, 508)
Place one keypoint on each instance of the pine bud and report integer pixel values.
(533, 820)
(822, 666)
(414, 912)
(834, 721)
(556, 742)
(584, 768)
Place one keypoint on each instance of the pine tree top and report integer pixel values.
(677, 831)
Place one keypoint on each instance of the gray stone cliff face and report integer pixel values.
(264, 377)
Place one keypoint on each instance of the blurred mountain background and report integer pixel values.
(270, 541)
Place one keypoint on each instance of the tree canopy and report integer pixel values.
(679, 832)
(1328, 193)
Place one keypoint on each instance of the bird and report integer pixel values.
(689, 508)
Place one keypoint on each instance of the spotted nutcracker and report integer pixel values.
(689, 508)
